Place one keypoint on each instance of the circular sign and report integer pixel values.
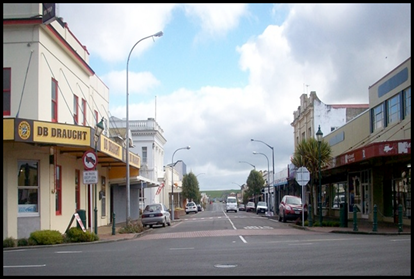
(89, 160)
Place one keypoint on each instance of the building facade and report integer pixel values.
(54, 163)
(371, 151)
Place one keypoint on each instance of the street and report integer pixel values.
(213, 242)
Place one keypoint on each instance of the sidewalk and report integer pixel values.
(362, 227)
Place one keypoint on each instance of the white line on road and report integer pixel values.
(190, 248)
(242, 239)
(20, 266)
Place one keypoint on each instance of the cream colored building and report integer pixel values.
(53, 165)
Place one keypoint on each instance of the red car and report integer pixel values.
(290, 208)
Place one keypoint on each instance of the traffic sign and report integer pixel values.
(90, 160)
(302, 176)
(90, 177)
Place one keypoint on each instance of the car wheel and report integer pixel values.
(284, 218)
(186, 213)
(280, 217)
(169, 222)
(164, 223)
(150, 226)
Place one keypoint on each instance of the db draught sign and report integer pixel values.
(90, 160)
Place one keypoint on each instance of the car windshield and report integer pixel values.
(261, 203)
(293, 200)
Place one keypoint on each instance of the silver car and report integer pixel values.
(156, 214)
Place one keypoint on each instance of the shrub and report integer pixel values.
(9, 242)
(22, 242)
(76, 234)
(133, 227)
(46, 237)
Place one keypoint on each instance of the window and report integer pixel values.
(58, 192)
(377, 118)
(28, 187)
(144, 154)
(83, 112)
(6, 91)
(96, 117)
(54, 100)
(76, 109)
(393, 109)
(407, 102)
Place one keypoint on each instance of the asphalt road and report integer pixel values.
(214, 242)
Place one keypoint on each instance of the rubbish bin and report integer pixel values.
(82, 216)
(343, 215)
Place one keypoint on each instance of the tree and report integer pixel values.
(307, 155)
(191, 190)
(255, 183)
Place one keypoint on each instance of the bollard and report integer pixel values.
(400, 218)
(310, 215)
(113, 224)
(375, 223)
(355, 218)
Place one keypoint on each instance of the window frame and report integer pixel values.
(26, 211)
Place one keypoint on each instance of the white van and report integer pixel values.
(231, 204)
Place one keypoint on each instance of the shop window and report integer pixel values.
(28, 188)
(58, 190)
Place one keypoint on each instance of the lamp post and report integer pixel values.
(268, 187)
(98, 131)
(254, 167)
(172, 181)
(319, 136)
(127, 186)
(273, 172)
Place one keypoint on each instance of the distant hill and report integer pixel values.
(220, 194)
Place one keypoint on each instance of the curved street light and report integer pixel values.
(172, 181)
(273, 174)
(268, 187)
(248, 163)
(128, 211)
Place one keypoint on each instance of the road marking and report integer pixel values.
(191, 248)
(242, 239)
(20, 266)
(68, 252)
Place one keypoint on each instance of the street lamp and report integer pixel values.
(98, 131)
(128, 211)
(248, 163)
(172, 181)
(319, 136)
(268, 187)
(273, 174)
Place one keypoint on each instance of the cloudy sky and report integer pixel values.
(223, 74)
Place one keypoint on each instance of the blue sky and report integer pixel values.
(225, 73)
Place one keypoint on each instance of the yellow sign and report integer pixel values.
(60, 133)
(111, 148)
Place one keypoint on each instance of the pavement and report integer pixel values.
(362, 227)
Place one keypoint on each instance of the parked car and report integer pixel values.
(191, 207)
(199, 207)
(261, 207)
(250, 206)
(242, 207)
(156, 214)
(290, 208)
